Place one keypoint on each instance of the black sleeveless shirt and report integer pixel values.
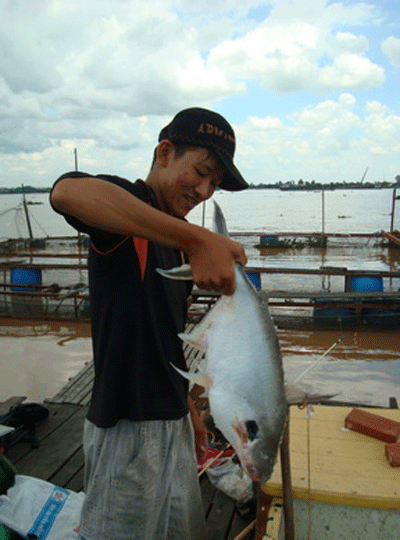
(136, 316)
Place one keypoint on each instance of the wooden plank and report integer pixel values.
(207, 493)
(273, 528)
(60, 461)
(220, 516)
(85, 402)
(333, 295)
(55, 450)
(71, 389)
(238, 528)
(73, 381)
(59, 414)
(263, 506)
(76, 482)
(346, 467)
(71, 469)
(81, 391)
(78, 389)
(393, 237)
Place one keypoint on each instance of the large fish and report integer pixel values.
(243, 373)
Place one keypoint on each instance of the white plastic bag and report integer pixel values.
(230, 478)
(41, 508)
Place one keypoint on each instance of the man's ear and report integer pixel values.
(164, 152)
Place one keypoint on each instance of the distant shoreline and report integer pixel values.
(26, 189)
(282, 186)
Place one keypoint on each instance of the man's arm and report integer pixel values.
(106, 206)
(200, 430)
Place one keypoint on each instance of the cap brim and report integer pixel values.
(233, 180)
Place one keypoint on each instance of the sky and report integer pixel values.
(311, 87)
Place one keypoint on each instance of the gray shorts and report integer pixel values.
(141, 482)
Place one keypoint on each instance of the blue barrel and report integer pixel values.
(254, 277)
(269, 241)
(25, 276)
(366, 284)
(382, 318)
(334, 315)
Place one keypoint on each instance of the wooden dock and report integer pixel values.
(59, 459)
(393, 236)
(347, 468)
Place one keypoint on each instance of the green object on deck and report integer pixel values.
(7, 474)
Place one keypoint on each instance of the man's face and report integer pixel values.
(188, 180)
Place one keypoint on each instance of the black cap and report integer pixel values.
(204, 128)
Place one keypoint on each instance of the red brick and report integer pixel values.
(373, 425)
(393, 454)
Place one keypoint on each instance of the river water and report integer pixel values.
(36, 359)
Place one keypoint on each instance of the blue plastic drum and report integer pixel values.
(25, 276)
(366, 284)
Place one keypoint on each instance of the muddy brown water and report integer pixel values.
(38, 357)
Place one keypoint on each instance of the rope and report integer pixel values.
(310, 412)
(312, 366)
(10, 210)
(38, 224)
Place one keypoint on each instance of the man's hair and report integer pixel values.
(179, 151)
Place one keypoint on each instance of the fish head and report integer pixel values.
(257, 448)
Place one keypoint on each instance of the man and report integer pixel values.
(140, 467)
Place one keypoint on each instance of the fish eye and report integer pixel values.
(252, 429)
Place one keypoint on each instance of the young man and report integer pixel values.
(140, 466)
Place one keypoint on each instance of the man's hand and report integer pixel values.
(213, 262)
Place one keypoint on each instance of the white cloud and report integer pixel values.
(318, 141)
(391, 47)
(88, 59)
(106, 75)
(350, 71)
(381, 129)
(297, 49)
(345, 42)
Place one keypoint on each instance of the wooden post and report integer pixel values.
(393, 209)
(28, 221)
(287, 483)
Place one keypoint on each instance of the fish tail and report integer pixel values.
(219, 221)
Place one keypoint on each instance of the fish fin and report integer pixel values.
(195, 339)
(202, 379)
(179, 272)
(295, 396)
(219, 220)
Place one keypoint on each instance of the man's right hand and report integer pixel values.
(213, 261)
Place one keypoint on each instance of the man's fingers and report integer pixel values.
(225, 286)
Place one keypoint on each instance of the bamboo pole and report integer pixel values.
(242, 535)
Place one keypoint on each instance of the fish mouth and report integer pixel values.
(250, 447)
(247, 433)
(253, 472)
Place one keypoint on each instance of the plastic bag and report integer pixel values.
(230, 478)
(42, 509)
